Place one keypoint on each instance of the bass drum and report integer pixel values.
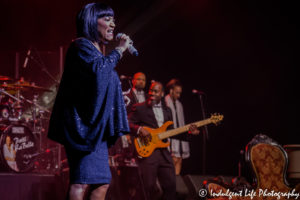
(18, 147)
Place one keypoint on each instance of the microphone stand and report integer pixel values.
(42, 65)
(205, 135)
(131, 89)
(11, 96)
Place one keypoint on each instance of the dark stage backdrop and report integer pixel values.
(242, 54)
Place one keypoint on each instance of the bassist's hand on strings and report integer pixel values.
(144, 135)
(193, 130)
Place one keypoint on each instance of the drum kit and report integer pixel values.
(22, 126)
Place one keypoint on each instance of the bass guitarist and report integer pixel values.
(159, 165)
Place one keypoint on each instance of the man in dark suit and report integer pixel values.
(159, 165)
(137, 93)
(153, 113)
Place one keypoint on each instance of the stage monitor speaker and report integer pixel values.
(182, 190)
(195, 182)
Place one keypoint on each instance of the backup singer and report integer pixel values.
(179, 147)
(89, 112)
(137, 93)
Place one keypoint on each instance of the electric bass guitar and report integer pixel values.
(145, 148)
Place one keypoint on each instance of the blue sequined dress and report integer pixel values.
(89, 111)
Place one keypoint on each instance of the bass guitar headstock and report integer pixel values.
(216, 118)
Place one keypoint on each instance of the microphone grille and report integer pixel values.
(118, 36)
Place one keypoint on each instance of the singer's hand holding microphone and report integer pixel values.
(125, 43)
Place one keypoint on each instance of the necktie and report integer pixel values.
(176, 121)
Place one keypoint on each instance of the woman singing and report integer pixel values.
(89, 111)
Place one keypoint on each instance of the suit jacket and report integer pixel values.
(142, 114)
(131, 99)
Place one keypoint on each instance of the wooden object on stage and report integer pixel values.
(268, 161)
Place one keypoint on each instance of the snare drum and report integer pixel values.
(18, 147)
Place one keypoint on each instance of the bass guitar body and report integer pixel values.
(146, 149)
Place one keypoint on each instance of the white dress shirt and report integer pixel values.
(140, 95)
(159, 115)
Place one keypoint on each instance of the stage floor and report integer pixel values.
(31, 186)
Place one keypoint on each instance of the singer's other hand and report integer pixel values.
(193, 129)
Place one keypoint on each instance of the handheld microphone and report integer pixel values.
(27, 58)
(123, 77)
(132, 50)
(194, 91)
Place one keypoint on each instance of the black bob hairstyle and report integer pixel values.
(86, 21)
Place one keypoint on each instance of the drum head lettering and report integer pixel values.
(18, 148)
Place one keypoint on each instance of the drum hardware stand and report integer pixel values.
(17, 108)
(52, 163)
(56, 164)
(34, 102)
(50, 158)
(43, 67)
(11, 96)
(36, 109)
(13, 106)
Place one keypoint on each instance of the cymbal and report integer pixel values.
(32, 86)
(11, 87)
(5, 78)
(8, 86)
